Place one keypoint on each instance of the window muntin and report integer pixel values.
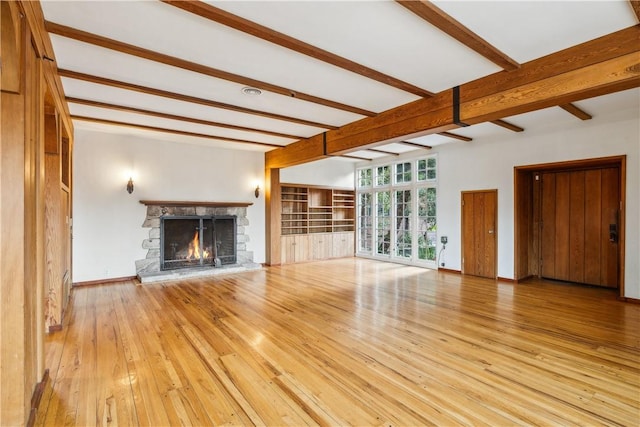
(403, 223)
(383, 222)
(403, 173)
(365, 222)
(403, 217)
(383, 175)
(364, 178)
(427, 225)
(426, 169)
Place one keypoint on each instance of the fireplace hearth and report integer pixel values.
(193, 239)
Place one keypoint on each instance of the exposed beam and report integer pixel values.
(172, 131)
(415, 144)
(579, 113)
(444, 22)
(635, 5)
(605, 65)
(186, 98)
(236, 22)
(174, 117)
(86, 37)
(388, 153)
(348, 156)
(507, 125)
(455, 136)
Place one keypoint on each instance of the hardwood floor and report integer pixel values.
(349, 341)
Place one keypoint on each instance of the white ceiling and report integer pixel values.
(381, 35)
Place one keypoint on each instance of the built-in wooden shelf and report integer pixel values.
(187, 203)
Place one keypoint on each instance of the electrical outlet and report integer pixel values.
(443, 240)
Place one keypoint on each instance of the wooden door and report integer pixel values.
(479, 232)
(579, 227)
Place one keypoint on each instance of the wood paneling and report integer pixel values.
(54, 242)
(479, 233)
(321, 245)
(344, 342)
(577, 213)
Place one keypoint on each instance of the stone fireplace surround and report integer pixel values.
(148, 269)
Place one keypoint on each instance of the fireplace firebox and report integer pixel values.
(197, 241)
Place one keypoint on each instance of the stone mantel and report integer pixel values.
(177, 203)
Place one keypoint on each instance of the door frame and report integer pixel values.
(495, 229)
(526, 239)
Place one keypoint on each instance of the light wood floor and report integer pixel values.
(342, 342)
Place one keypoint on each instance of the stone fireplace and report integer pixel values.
(193, 239)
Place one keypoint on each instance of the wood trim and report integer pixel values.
(635, 6)
(600, 66)
(316, 187)
(12, 48)
(273, 211)
(86, 37)
(612, 161)
(507, 125)
(506, 279)
(347, 156)
(36, 398)
(105, 281)
(176, 117)
(388, 153)
(579, 113)
(415, 144)
(456, 136)
(447, 24)
(629, 300)
(448, 270)
(173, 131)
(238, 23)
(186, 98)
(190, 203)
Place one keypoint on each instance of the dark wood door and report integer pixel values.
(579, 227)
(479, 232)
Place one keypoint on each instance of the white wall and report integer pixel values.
(484, 164)
(107, 226)
(334, 172)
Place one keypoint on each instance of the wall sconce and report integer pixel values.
(130, 186)
(257, 192)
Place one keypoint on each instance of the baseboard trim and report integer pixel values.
(104, 281)
(505, 279)
(36, 398)
(448, 270)
(629, 300)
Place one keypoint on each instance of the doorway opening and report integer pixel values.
(570, 221)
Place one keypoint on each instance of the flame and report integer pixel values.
(194, 247)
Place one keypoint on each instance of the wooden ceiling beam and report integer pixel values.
(415, 144)
(94, 39)
(223, 17)
(186, 98)
(172, 131)
(507, 125)
(106, 105)
(348, 156)
(456, 136)
(576, 111)
(605, 65)
(385, 152)
(447, 24)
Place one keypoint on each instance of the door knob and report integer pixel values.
(490, 231)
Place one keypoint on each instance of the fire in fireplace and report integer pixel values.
(196, 241)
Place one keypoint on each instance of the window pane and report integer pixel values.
(365, 225)
(403, 224)
(383, 222)
(427, 227)
(403, 172)
(383, 175)
(364, 177)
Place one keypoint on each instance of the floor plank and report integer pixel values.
(344, 342)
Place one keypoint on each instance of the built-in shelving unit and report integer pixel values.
(316, 222)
